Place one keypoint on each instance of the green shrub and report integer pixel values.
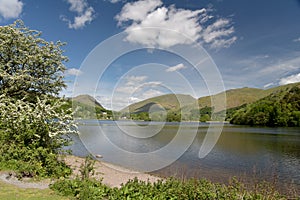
(32, 116)
(31, 137)
(165, 189)
(83, 186)
(81, 189)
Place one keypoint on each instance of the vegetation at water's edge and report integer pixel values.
(83, 187)
(163, 189)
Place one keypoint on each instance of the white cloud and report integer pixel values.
(77, 5)
(135, 84)
(283, 66)
(261, 70)
(149, 23)
(81, 20)
(132, 89)
(116, 1)
(297, 40)
(137, 11)
(290, 79)
(121, 100)
(73, 72)
(10, 8)
(85, 14)
(131, 84)
(133, 80)
(176, 68)
(216, 32)
(117, 103)
(268, 85)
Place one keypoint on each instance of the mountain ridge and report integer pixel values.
(178, 106)
(234, 98)
(87, 100)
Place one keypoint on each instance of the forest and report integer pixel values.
(279, 109)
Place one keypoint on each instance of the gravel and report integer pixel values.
(8, 177)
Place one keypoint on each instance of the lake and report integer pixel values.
(249, 153)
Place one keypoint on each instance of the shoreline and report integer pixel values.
(112, 175)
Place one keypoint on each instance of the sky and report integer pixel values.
(122, 51)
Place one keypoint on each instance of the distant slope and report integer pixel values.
(87, 100)
(188, 109)
(86, 107)
(280, 108)
(167, 102)
(240, 96)
(236, 97)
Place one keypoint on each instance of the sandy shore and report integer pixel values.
(112, 175)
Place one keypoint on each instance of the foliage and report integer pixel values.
(31, 136)
(32, 120)
(85, 111)
(140, 116)
(83, 186)
(87, 168)
(86, 107)
(278, 109)
(185, 108)
(29, 65)
(173, 116)
(87, 189)
(164, 189)
(205, 114)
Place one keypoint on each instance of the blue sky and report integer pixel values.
(253, 43)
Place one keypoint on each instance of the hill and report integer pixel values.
(280, 108)
(167, 102)
(86, 107)
(160, 108)
(188, 109)
(87, 100)
(241, 96)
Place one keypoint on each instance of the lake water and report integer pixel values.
(241, 151)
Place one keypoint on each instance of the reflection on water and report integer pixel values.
(240, 151)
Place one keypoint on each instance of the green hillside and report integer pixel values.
(167, 107)
(161, 108)
(167, 102)
(280, 108)
(171, 107)
(240, 96)
(86, 107)
(87, 100)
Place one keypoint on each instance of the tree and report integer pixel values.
(205, 118)
(277, 109)
(29, 65)
(32, 117)
(173, 116)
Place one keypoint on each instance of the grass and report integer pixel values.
(10, 192)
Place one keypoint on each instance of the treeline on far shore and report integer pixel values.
(280, 108)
